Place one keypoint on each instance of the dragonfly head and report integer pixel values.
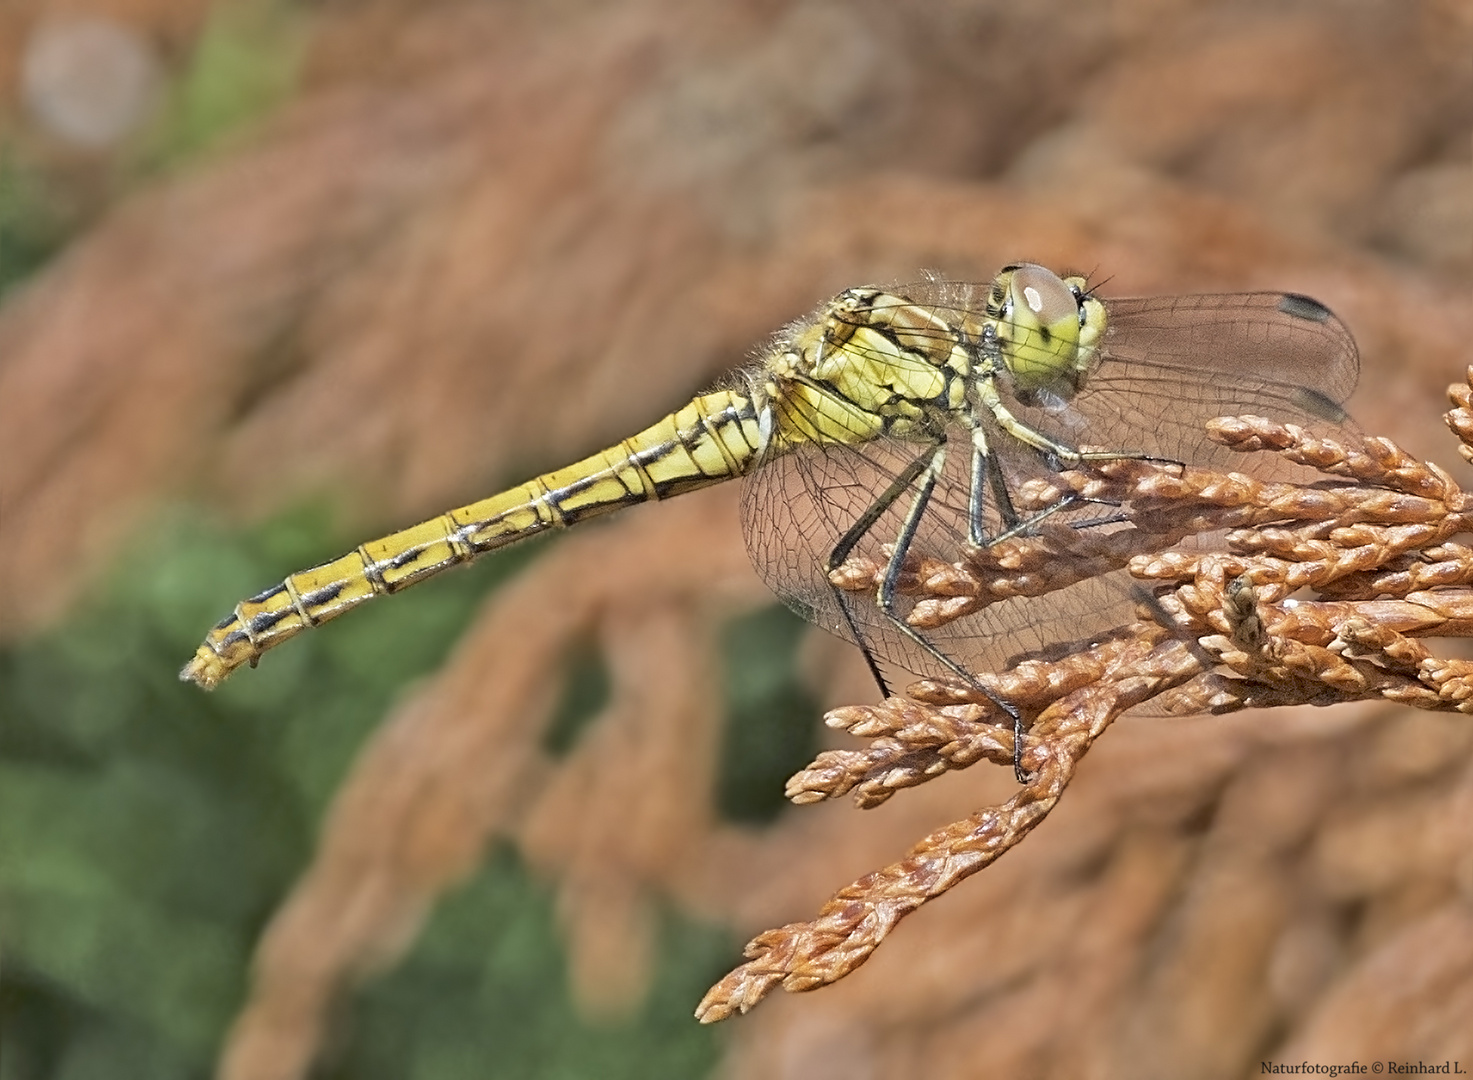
(1049, 329)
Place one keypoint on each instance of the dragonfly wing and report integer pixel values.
(1274, 340)
(1170, 364)
(797, 506)
(1167, 367)
(795, 509)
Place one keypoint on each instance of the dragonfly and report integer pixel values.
(894, 424)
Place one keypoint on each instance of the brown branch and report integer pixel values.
(1221, 631)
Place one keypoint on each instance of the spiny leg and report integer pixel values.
(926, 468)
(851, 538)
(985, 475)
(1068, 502)
(1054, 455)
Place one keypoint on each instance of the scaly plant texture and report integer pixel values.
(1219, 631)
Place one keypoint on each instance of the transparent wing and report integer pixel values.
(1168, 365)
(797, 506)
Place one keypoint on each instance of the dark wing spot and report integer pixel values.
(1317, 404)
(1305, 307)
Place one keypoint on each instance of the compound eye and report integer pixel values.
(1043, 333)
(1045, 294)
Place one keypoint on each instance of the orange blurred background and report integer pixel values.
(385, 258)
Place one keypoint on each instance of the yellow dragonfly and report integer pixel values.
(889, 425)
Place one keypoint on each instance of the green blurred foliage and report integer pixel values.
(148, 830)
(244, 64)
(32, 224)
(586, 688)
(483, 996)
(771, 728)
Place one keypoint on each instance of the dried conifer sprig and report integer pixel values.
(1217, 632)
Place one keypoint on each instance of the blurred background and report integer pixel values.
(277, 276)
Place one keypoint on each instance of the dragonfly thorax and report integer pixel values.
(869, 363)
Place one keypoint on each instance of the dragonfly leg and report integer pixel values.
(927, 469)
(983, 477)
(842, 550)
(1056, 454)
(985, 474)
(1018, 528)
